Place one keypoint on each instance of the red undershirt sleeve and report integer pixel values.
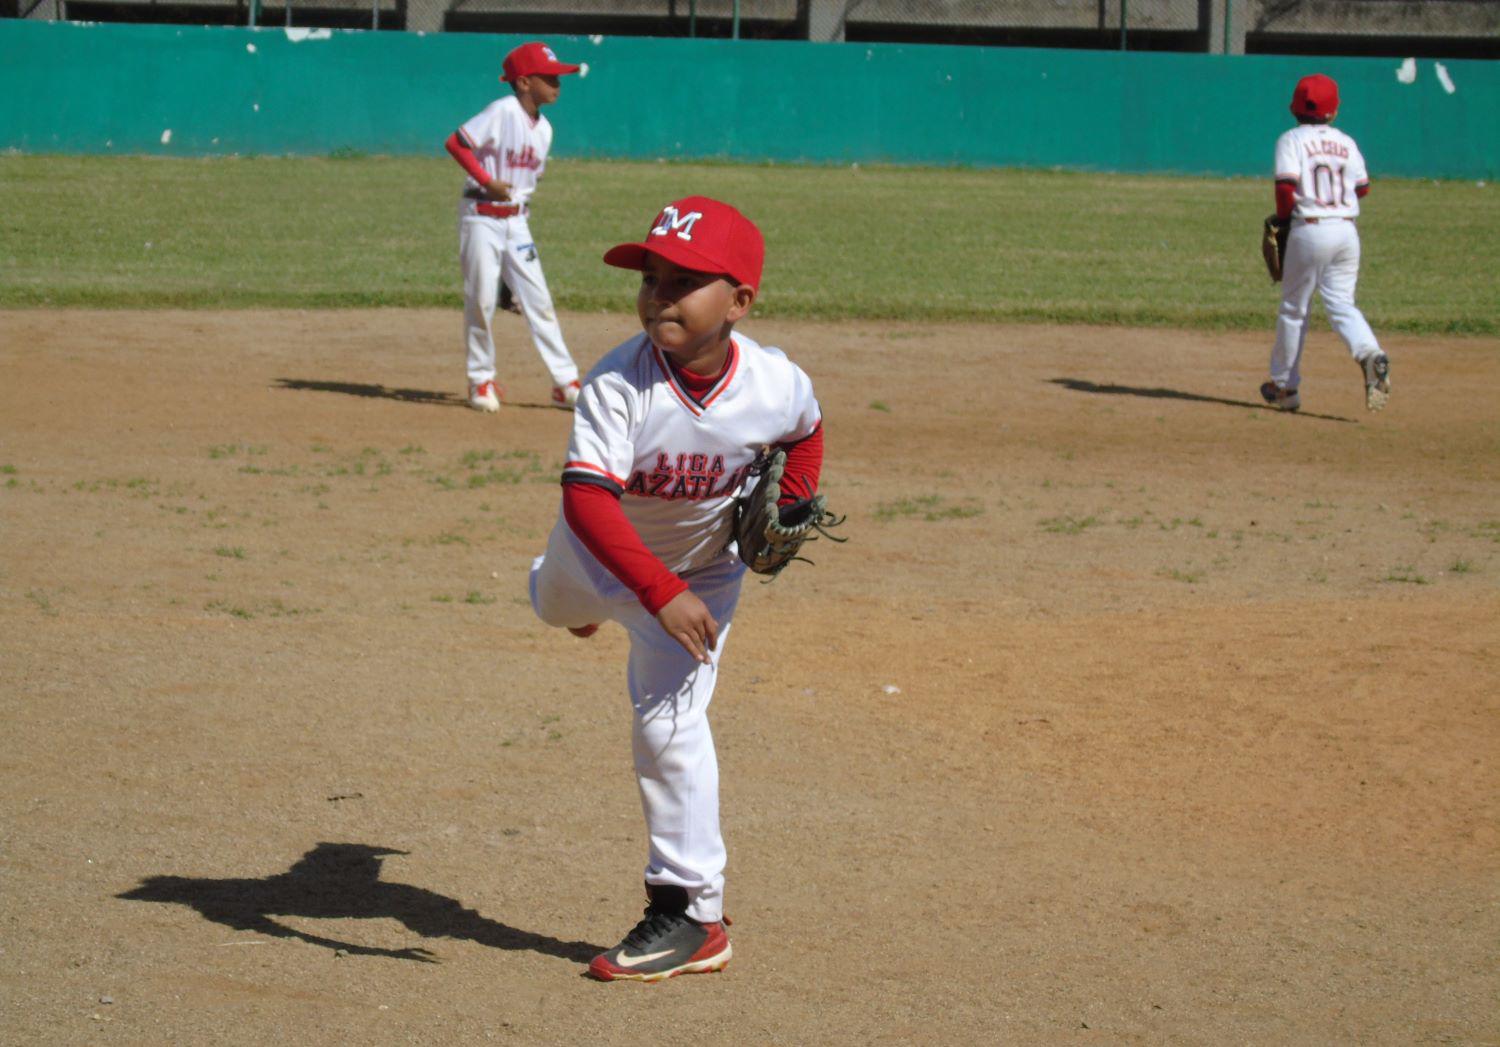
(466, 159)
(1362, 190)
(804, 463)
(1286, 199)
(595, 515)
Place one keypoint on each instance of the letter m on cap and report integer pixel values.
(673, 222)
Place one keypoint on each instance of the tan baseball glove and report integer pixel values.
(769, 535)
(1273, 244)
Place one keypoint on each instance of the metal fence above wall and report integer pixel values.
(1455, 28)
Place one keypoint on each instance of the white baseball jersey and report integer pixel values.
(1326, 166)
(677, 462)
(510, 145)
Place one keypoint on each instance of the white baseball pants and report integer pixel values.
(492, 249)
(676, 766)
(1323, 257)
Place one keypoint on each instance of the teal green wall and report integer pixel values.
(73, 88)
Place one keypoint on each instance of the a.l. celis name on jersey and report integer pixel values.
(685, 475)
(1326, 147)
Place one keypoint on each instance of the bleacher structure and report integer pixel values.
(1431, 28)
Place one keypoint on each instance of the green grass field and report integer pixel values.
(842, 242)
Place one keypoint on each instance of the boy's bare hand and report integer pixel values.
(498, 190)
(686, 620)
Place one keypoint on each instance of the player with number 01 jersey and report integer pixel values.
(1320, 180)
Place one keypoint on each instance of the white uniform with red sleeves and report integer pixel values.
(512, 147)
(1322, 252)
(676, 463)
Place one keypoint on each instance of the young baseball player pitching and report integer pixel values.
(504, 151)
(666, 430)
(1320, 179)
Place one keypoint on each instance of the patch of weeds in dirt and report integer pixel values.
(1317, 577)
(442, 598)
(1177, 521)
(880, 405)
(476, 597)
(277, 609)
(1405, 574)
(491, 467)
(7, 470)
(1487, 529)
(231, 450)
(368, 462)
(928, 507)
(316, 490)
(42, 602)
(273, 608)
(136, 486)
(449, 538)
(413, 449)
(233, 552)
(1189, 577)
(1462, 567)
(1068, 524)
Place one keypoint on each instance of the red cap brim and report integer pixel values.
(545, 69)
(633, 256)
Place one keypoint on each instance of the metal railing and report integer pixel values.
(1340, 26)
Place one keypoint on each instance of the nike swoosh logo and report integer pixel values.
(631, 961)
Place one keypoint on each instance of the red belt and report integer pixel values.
(500, 210)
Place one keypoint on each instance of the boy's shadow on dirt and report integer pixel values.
(1082, 385)
(340, 881)
(381, 392)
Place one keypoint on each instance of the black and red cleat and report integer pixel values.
(668, 942)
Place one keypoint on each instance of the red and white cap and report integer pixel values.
(1316, 96)
(701, 234)
(531, 59)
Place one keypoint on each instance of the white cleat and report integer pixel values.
(483, 397)
(1377, 372)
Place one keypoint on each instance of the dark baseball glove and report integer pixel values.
(1273, 244)
(508, 299)
(770, 535)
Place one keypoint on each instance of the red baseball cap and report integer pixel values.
(531, 59)
(1316, 96)
(701, 234)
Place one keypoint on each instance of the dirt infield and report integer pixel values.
(1132, 712)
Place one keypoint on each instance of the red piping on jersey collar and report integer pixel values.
(695, 407)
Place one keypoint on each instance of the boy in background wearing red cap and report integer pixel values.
(665, 432)
(1320, 179)
(504, 150)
